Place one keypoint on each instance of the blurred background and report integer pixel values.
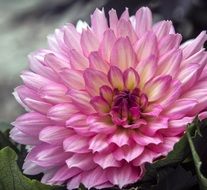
(24, 25)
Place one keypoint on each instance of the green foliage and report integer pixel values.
(198, 145)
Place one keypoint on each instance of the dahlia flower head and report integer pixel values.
(105, 99)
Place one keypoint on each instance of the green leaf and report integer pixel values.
(198, 143)
(177, 178)
(12, 179)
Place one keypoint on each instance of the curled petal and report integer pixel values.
(106, 93)
(131, 79)
(100, 105)
(115, 77)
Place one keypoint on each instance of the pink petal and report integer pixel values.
(107, 44)
(56, 63)
(155, 88)
(131, 78)
(122, 54)
(146, 70)
(93, 178)
(31, 123)
(75, 182)
(89, 42)
(73, 78)
(123, 176)
(37, 66)
(193, 46)
(169, 64)
(82, 161)
(165, 147)
(162, 28)
(146, 46)
(98, 143)
(146, 156)
(48, 155)
(106, 93)
(181, 108)
(120, 138)
(64, 173)
(195, 58)
(188, 75)
(61, 112)
(77, 60)
(169, 42)
(125, 15)
(106, 161)
(94, 79)
(101, 124)
(72, 38)
(99, 23)
(97, 63)
(35, 81)
(77, 122)
(54, 134)
(23, 138)
(113, 19)
(76, 144)
(154, 126)
(37, 105)
(115, 77)
(125, 29)
(143, 139)
(128, 153)
(82, 100)
(31, 168)
(171, 95)
(100, 105)
(143, 21)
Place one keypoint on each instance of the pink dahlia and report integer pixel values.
(105, 99)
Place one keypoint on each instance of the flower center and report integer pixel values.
(127, 106)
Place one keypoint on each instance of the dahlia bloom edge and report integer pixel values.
(105, 99)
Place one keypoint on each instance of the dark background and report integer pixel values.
(24, 25)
